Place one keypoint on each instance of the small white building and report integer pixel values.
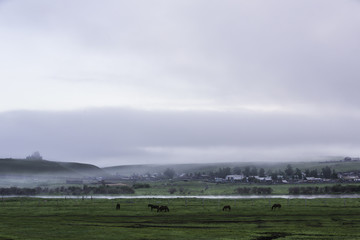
(219, 180)
(313, 179)
(264, 179)
(234, 177)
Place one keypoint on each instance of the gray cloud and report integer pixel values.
(234, 51)
(281, 75)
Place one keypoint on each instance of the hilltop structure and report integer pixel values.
(35, 156)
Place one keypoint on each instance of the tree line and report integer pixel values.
(288, 173)
(335, 189)
(254, 190)
(71, 190)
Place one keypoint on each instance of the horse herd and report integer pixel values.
(164, 208)
(159, 208)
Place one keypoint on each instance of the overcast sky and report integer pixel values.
(121, 82)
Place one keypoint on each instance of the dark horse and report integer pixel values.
(226, 207)
(163, 208)
(276, 205)
(153, 206)
(118, 206)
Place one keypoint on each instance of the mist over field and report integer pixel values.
(135, 82)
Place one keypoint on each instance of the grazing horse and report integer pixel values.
(276, 205)
(153, 206)
(163, 208)
(118, 206)
(226, 207)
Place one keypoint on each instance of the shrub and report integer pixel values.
(172, 190)
(141, 185)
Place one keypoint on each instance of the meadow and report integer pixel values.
(32, 218)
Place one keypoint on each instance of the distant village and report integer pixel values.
(250, 174)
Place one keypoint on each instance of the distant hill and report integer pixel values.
(82, 168)
(28, 167)
(128, 170)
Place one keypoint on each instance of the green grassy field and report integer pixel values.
(187, 219)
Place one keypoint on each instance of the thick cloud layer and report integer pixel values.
(117, 136)
(179, 54)
(179, 80)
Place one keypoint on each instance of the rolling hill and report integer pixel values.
(9, 166)
(128, 170)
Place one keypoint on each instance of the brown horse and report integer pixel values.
(227, 207)
(276, 205)
(118, 206)
(163, 208)
(153, 206)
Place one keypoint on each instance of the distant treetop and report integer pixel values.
(35, 156)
